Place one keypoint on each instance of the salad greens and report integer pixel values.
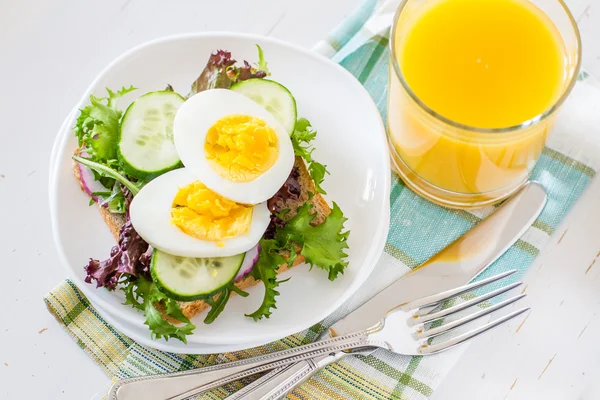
(97, 131)
(265, 270)
(113, 199)
(301, 137)
(128, 266)
(218, 305)
(322, 246)
(221, 72)
(105, 170)
(97, 127)
(143, 294)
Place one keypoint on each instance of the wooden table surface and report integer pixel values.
(50, 51)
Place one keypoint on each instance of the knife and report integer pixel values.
(457, 264)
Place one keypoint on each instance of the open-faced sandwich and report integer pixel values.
(206, 195)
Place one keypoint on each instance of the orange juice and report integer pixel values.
(468, 73)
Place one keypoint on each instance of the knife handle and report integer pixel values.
(281, 381)
(182, 385)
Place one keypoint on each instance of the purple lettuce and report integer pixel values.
(289, 190)
(214, 74)
(248, 72)
(130, 256)
(221, 72)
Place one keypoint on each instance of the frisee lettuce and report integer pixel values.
(302, 137)
(97, 127)
(323, 246)
(265, 270)
(144, 295)
(97, 131)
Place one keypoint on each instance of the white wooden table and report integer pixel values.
(49, 52)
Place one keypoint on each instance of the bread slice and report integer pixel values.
(319, 206)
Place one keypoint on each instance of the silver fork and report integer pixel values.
(401, 329)
(406, 333)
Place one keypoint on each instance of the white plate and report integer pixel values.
(351, 142)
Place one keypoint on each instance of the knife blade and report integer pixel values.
(458, 263)
(454, 266)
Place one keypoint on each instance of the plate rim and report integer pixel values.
(377, 243)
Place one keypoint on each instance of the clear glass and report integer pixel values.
(425, 145)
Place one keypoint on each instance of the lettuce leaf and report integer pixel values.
(221, 71)
(323, 246)
(265, 270)
(217, 306)
(126, 258)
(114, 199)
(97, 127)
(302, 137)
(214, 74)
(143, 294)
(97, 131)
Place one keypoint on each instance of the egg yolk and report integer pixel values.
(206, 215)
(240, 148)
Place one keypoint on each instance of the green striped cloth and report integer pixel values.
(418, 230)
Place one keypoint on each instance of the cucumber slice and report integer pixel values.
(273, 96)
(188, 279)
(146, 147)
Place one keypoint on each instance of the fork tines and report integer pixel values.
(425, 312)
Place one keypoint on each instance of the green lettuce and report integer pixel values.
(302, 137)
(323, 246)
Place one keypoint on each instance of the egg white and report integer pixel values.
(192, 122)
(150, 213)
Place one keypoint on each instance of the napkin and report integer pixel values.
(418, 230)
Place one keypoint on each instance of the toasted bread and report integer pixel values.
(319, 206)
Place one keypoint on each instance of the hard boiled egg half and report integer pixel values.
(233, 145)
(176, 213)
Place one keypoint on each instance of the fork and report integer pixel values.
(416, 315)
(401, 330)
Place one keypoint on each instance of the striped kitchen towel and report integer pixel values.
(418, 230)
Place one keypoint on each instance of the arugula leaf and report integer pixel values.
(262, 63)
(114, 200)
(218, 305)
(323, 245)
(142, 294)
(266, 270)
(301, 137)
(98, 125)
(107, 171)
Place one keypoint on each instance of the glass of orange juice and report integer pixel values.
(474, 89)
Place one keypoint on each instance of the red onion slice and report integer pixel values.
(250, 260)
